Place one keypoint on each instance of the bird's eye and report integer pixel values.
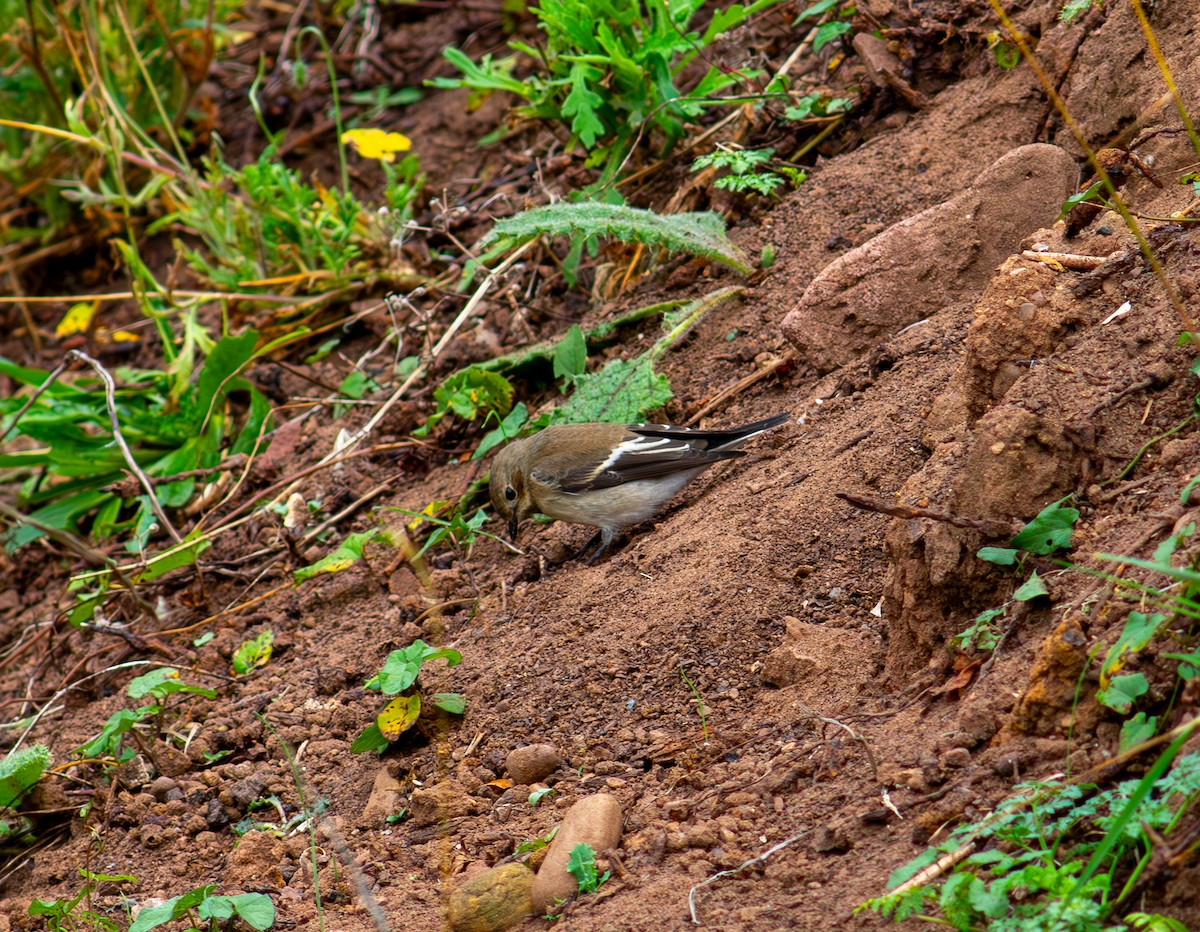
(510, 494)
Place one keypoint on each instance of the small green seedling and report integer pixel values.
(581, 864)
(207, 911)
(399, 676)
(66, 915)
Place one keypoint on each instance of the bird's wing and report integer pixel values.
(636, 457)
(710, 439)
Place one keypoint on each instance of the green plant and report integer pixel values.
(1035, 863)
(469, 393)
(20, 770)
(253, 653)
(750, 171)
(608, 70)
(1048, 532)
(173, 421)
(699, 703)
(158, 684)
(63, 66)
(208, 911)
(581, 864)
(458, 529)
(699, 233)
(1073, 9)
(66, 915)
(817, 107)
(833, 27)
(399, 676)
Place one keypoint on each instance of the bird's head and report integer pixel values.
(510, 497)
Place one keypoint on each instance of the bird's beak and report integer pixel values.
(512, 528)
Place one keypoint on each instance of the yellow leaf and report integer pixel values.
(398, 716)
(77, 319)
(124, 336)
(377, 143)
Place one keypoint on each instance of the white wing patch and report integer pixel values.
(643, 446)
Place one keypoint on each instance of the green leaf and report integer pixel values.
(700, 233)
(1123, 691)
(827, 32)
(1031, 589)
(1001, 556)
(454, 703)
(164, 682)
(370, 739)
(1135, 730)
(622, 392)
(581, 864)
(223, 364)
(1049, 531)
(570, 354)
(20, 771)
(402, 666)
(253, 653)
(1139, 630)
(151, 917)
(347, 554)
(508, 428)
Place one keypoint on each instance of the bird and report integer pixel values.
(608, 476)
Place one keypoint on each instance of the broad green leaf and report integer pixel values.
(254, 653)
(19, 771)
(454, 703)
(402, 666)
(1135, 730)
(1001, 556)
(1032, 588)
(1049, 531)
(570, 354)
(1139, 630)
(1123, 691)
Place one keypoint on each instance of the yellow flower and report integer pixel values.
(376, 143)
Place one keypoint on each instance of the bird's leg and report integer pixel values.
(606, 535)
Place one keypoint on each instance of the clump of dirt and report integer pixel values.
(763, 680)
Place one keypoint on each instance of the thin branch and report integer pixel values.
(110, 397)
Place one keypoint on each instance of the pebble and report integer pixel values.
(532, 763)
(593, 820)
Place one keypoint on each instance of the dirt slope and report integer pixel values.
(815, 632)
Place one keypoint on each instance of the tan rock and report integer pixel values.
(938, 257)
(384, 800)
(594, 820)
(532, 763)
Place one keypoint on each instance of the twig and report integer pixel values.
(758, 859)
(1067, 260)
(774, 365)
(899, 510)
(110, 398)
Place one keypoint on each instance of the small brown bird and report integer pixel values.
(609, 476)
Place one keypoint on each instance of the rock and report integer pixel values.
(215, 816)
(492, 901)
(442, 801)
(255, 861)
(384, 800)
(532, 763)
(161, 786)
(244, 792)
(955, 757)
(938, 257)
(594, 820)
